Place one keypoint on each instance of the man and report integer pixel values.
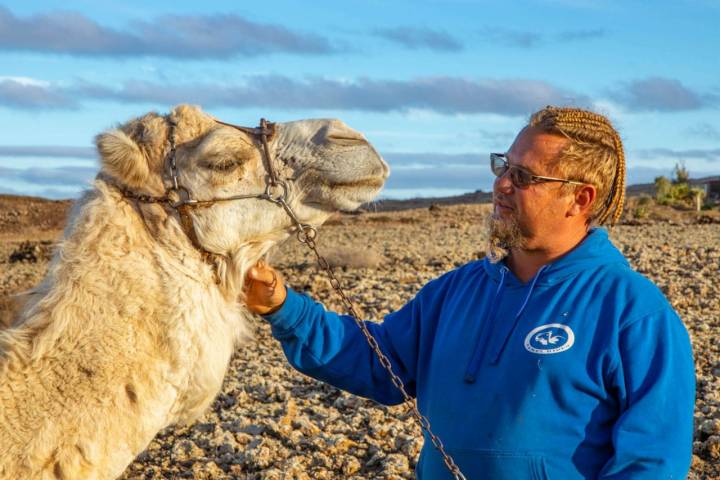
(550, 358)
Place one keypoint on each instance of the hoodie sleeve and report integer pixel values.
(655, 379)
(331, 347)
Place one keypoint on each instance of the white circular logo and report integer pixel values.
(550, 338)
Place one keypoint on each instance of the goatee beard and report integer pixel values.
(504, 234)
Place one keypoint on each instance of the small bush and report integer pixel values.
(644, 200)
(662, 189)
(640, 212)
(32, 252)
(678, 193)
(681, 173)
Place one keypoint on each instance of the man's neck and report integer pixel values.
(525, 262)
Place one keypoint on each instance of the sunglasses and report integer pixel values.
(520, 177)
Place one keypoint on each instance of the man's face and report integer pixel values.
(528, 217)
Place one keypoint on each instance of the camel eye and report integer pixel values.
(223, 165)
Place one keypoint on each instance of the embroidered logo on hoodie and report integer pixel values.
(550, 338)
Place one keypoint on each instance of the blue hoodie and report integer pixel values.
(583, 372)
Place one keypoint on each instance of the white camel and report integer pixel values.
(133, 327)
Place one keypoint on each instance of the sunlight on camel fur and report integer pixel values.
(132, 329)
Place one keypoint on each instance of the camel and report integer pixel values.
(134, 325)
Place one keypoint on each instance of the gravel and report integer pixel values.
(271, 422)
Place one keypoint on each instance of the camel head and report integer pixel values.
(327, 166)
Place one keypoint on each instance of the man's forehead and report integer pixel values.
(535, 146)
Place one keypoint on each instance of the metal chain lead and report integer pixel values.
(171, 154)
(306, 234)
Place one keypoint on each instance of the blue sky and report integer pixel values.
(435, 85)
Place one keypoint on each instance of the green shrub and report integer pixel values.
(681, 173)
(662, 189)
(678, 193)
(640, 212)
(644, 200)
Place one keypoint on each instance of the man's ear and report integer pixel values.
(583, 201)
(122, 158)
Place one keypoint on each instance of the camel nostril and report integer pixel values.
(344, 139)
(337, 132)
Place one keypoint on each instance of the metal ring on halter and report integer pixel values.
(270, 189)
(176, 186)
(306, 232)
(183, 197)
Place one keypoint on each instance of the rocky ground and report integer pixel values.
(271, 422)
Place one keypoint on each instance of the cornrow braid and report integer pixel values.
(595, 155)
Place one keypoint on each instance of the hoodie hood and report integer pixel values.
(593, 251)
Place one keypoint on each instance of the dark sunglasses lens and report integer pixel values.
(520, 178)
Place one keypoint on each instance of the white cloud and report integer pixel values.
(26, 81)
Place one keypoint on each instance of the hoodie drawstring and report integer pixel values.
(504, 334)
(501, 346)
(472, 367)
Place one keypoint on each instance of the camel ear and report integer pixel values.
(122, 158)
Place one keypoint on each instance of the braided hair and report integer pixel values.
(594, 155)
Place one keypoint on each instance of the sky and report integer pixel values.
(434, 85)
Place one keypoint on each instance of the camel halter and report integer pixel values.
(179, 197)
(276, 191)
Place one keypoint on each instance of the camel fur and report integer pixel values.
(132, 330)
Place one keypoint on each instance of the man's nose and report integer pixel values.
(503, 183)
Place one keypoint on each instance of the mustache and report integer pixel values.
(503, 200)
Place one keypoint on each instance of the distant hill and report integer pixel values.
(640, 189)
(390, 205)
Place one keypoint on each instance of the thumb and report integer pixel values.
(262, 274)
(253, 273)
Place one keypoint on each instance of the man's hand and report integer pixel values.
(264, 289)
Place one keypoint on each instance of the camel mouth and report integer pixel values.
(349, 194)
(350, 198)
(343, 195)
(375, 183)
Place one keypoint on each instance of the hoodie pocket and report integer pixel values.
(485, 464)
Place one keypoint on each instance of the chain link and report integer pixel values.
(424, 422)
(171, 154)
